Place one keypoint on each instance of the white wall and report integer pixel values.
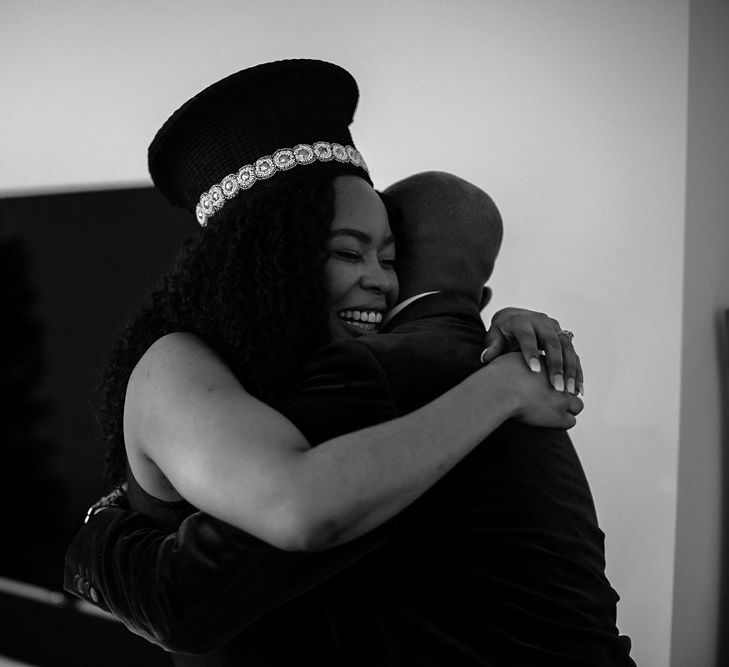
(571, 113)
(704, 421)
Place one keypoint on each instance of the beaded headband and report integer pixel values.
(282, 160)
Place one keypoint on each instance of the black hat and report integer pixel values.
(257, 124)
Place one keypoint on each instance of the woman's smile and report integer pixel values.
(361, 320)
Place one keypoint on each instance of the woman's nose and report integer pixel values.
(377, 279)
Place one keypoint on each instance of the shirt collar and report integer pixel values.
(403, 304)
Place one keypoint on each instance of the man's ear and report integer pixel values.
(486, 295)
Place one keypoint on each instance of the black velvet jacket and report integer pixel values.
(501, 563)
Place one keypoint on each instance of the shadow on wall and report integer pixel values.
(722, 322)
(73, 269)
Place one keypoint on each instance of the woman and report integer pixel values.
(283, 265)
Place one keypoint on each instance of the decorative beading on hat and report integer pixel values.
(226, 125)
(282, 160)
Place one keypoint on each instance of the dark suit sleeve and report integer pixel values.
(192, 590)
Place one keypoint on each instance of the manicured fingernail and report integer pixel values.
(558, 382)
(534, 364)
(483, 354)
(571, 385)
(582, 389)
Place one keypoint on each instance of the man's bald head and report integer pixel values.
(448, 233)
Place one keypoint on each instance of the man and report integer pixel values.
(500, 563)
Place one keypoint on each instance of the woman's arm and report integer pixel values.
(241, 461)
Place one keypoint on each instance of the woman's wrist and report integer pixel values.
(498, 391)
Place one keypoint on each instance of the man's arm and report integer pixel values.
(192, 590)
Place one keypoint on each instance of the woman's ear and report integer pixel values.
(486, 295)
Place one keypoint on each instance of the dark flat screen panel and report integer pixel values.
(75, 268)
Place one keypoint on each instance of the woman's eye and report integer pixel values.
(346, 254)
(388, 263)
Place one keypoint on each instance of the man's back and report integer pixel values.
(502, 562)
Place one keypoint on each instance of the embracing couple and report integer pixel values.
(320, 462)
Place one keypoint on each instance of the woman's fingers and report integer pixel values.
(562, 361)
(533, 332)
(495, 342)
(572, 363)
(580, 378)
(523, 333)
(569, 363)
(575, 405)
(553, 357)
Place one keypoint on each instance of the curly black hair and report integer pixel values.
(250, 285)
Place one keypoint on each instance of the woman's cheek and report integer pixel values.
(339, 277)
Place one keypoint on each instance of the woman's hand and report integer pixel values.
(529, 332)
(535, 401)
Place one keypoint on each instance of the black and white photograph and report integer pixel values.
(364, 334)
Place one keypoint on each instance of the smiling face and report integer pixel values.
(359, 269)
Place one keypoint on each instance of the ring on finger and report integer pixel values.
(565, 332)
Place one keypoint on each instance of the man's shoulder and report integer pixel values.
(412, 364)
(434, 341)
(386, 344)
(433, 334)
(338, 363)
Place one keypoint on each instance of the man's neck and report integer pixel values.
(404, 304)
